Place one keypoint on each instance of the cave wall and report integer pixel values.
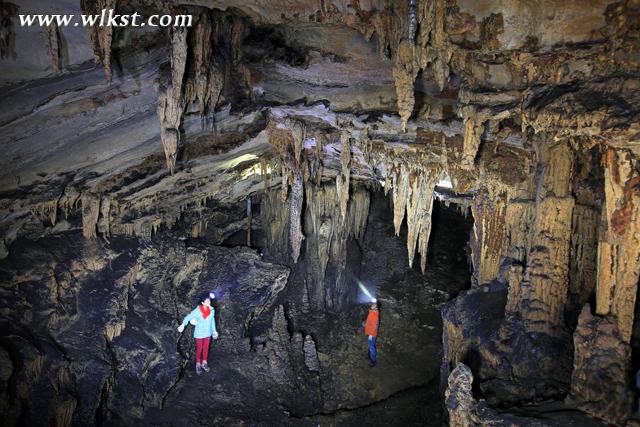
(528, 112)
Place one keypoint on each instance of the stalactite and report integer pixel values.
(288, 138)
(328, 240)
(342, 180)
(50, 33)
(400, 195)
(101, 36)
(284, 188)
(412, 181)
(419, 206)
(105, 213)
(64, 413)
(488, 240)
(404, 73)
(295, 230)
(170, 99)
(619, 245)
(276, 221)
(47, 210)
(8, 11)
(90, 214)
(473, 129)
(249, 220)
(320, 139)
(412, 20)
(143, 228)
(207, 82)
(198, 229)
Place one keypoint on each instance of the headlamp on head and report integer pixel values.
(212, 295)
(374, 301)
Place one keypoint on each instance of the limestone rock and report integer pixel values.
(601, 374)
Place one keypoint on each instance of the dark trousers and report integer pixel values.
(372, 349)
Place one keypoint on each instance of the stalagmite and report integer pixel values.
(546, 281)
(599, 382)
(619, 245)
(519, 217)
(50, 33)
(101, 36)
(170, 103)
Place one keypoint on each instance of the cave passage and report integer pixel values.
(277, 359)
(473, 166)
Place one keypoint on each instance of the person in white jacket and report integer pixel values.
(203, 318)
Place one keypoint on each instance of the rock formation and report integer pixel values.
(291, 154)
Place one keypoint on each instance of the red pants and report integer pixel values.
(202, 349)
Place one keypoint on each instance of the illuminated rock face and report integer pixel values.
(288, 119)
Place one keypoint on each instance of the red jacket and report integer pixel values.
(373, 320)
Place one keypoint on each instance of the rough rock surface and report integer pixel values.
(600, 369)
(98, 320)
(466, 411)
(524, 114)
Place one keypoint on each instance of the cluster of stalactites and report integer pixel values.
(425, 47)
(287, 137)
(412, 191)
(207, 81)
(101, 36)
(170, 102)
(330, 229)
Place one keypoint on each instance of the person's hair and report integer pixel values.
(203, 298)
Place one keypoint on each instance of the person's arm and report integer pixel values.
(214, 335)
(187, 319)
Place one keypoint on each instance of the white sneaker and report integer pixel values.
(199, 369)
(205, 367)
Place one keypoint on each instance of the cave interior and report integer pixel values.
(470, 165)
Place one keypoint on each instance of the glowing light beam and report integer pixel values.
(365, 291)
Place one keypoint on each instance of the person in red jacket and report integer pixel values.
(371, 330)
